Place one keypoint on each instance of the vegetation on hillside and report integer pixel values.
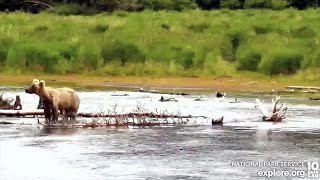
(163, 43)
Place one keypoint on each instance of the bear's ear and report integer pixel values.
(42, 83)
(35, 81)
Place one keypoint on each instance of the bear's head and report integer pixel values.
(33, 88)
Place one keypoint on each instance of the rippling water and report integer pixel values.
(193, 151)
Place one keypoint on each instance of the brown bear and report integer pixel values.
(64, 99)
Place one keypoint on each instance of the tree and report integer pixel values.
(208, 4)
(231, 4)
(300, 4)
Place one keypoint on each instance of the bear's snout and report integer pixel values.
(27, 90)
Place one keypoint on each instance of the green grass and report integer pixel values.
(164, 43)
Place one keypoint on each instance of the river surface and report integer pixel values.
(193, 151)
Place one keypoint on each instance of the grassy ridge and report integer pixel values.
(190, 43)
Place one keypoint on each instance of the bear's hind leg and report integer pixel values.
(64, 114)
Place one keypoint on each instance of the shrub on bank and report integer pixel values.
(248, 58)
(121, 51)
(281, 61)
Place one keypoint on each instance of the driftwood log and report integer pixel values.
(315, 99)
(162, 99)
(276, 115)
(23, 113)
(7, 103)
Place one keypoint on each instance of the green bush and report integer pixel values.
(33, 58)
(100, 28)
(303, 32)
(16, 57)
(69, 52)
(313, 60)
(281, 61)
(165, 26)
(158, 4)
(88, 58)
(262, 28)
(198, 28)
(230, 4)
(121, 51)
(185, 58)
(248, 59)
(277, 4)
(231, 43)
(121, 13)
(41, 28)
(5, 43)
(67, 9)
(183, 4)
(255, 3)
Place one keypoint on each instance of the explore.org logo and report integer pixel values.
(305, 169)
(311, 172)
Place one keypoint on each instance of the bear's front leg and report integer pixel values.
(40, 104)
(55, 113)
(47, 113)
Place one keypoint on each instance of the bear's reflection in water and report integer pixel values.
(58, 131)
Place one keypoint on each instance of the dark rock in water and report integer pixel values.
(220, 95)
(217, 121)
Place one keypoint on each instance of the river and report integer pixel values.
(196, 150)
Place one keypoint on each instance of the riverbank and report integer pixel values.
(186, 84)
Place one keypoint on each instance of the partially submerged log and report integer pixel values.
(315, 99)
(276, 115)
(303, 87)
(21, 113)
(200, 98)
(218, 121)
(119, 94)
(162, 99)
(6, 122)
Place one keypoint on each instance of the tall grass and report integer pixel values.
(162, 43)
